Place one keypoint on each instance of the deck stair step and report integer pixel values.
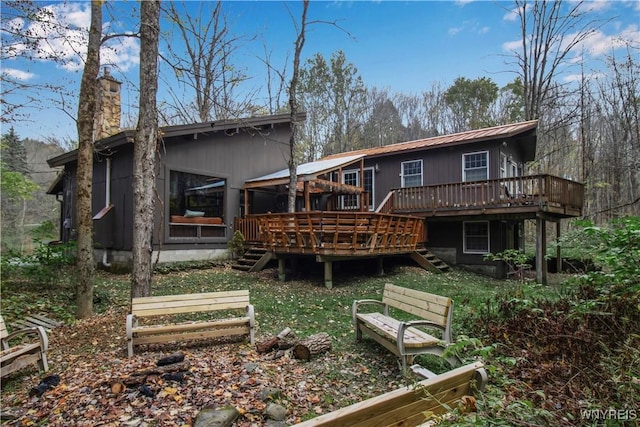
(429, 261)
(254, 259)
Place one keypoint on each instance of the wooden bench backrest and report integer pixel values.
(189, 303)
(407, 406)
(3, 329)
(434, 308)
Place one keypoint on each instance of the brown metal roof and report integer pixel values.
(504, 131)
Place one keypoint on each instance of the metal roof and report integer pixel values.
(504, 131)
(310, 169)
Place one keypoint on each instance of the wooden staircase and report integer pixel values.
(254, 259)
(429, 261)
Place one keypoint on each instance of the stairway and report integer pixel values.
(429, 261)
(254, 259)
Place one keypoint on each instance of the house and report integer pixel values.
(469, 189)
(446, 199)
(202, 168)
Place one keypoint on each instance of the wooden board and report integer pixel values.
(389, 326)
(404, 406)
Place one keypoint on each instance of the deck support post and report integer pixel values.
(328, 274)
(541, 250)
(558, 249)
(380, 271)
(282, 276)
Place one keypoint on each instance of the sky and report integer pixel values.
(401, 46)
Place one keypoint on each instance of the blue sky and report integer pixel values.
(403, 46)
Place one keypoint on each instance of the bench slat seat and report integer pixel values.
(388, 326)
(14, 358)
(406, 406)
(406, 339)
(162, 330)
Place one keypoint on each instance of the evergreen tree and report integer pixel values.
(14, 155)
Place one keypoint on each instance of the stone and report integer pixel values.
(275, 412)
(216, 417)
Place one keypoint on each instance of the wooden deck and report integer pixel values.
(330, 233)
(525, 194)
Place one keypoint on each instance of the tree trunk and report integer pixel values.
(312, 345)
(293, 106)
(144, 152)
(86, 115)
(271, 343)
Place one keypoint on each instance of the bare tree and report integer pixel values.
(293, 106)
(144, 152)
(202, 63)
(86, 115)
(550, 31)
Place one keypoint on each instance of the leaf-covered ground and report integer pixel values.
(90, 355)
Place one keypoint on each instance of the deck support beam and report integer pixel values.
(328, 274)
(541, 250)
(282, 276)
(558, 249)
(380, 271)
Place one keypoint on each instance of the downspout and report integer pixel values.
(107, 202)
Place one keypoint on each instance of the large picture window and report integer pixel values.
(476, 237)
(475, 166)
(196, 205)
(412, 173)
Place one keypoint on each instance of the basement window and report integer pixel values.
(476, 237)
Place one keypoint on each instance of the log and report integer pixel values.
(271, 343)
(312, 345)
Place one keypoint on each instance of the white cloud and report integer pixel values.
(454, 30)
(511, 16)
(571, 78)
(600, 43)
(18, 74)
(512, 45)
(62, 36)
(484, 30)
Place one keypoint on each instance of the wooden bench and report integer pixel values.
(406, 339)
(408, 406)
(18, 356)
(156, 307)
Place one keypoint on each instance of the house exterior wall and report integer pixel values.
(235, 156)
(442, 166)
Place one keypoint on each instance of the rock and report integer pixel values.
(268, 394)
(250, 367)
(275, 412)
(216, 417)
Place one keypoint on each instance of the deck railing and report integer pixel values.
(249, 228)
(339, 233)
(544, 191)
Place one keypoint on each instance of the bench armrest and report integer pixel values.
(36, 330)
(413, 323)
(131, 323)
(361, 302)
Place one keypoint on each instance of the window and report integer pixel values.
(350, 201)
(352, 177)
(475, 166)
(196, 205)
(412, 173)
(476, 237)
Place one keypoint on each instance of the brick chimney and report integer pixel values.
(108, 106)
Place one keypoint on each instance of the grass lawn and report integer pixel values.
(350, 373)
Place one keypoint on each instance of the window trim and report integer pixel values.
(464, 155)
(403, 176)
(464, 238)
